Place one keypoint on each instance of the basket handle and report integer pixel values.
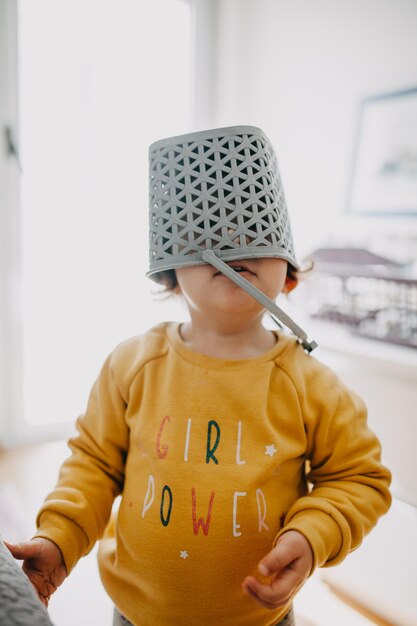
(276, 312)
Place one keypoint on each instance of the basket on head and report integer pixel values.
(216, 196)
(216, 190)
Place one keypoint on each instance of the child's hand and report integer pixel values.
(288, 564)
(42, 563)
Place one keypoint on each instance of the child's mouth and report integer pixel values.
(240, 269)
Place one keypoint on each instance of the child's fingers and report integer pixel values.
(252, 594)
(24, 550)
(42, 588)
(277, 559)
(276, 594)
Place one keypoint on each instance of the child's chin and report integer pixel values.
(237, 303)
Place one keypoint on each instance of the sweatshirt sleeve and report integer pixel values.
(76, 513)
(349, 485)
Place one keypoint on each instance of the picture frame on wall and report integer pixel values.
(384, 171)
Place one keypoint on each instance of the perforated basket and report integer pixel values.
(216, 190)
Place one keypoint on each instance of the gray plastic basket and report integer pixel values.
(216, 190)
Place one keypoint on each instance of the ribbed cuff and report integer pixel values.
(321, 531)
(68, 536)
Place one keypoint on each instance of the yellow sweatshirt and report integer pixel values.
(210, 457)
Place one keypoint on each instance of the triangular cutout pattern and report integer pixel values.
(216, 192)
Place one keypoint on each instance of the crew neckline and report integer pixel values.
(211, 362)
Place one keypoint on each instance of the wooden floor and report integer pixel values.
(27, 474)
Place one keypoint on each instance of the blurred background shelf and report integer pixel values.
(372, 296)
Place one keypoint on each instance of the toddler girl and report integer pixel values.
(243, 463)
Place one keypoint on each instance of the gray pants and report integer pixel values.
(119, 620)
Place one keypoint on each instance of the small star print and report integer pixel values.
(270, 450)
(184, 554)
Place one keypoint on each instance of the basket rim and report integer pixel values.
(226, 131)
(226, 255)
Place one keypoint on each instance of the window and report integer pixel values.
(97, 83)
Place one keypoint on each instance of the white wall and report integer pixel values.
(299, 70)
(10, 343)
(85, 86)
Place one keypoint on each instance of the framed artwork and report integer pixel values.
(384, 173)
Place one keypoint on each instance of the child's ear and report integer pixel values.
(290, 283)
